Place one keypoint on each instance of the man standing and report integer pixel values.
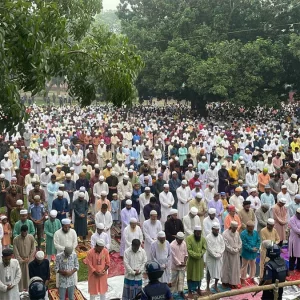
(98, 262)
(135, 259)
(40, 267)
(178, 263)
(66, 265)
(196, 247)
(184, 196)
(280, 217)
(173, 225)
(80, 207)
(151, 228)
(24, 249)
(132, 232)
(217, 204)
(200, 204)
(161, 253)
(104, 216)
(23, 221)
(166, 200)
(231, 272)
(190, 221)
(100, 235)
(65, 237)
(51, 226)
(250, 246)
(262, 216)
(61, 205)
(294, 242)
(270, 234)
(246, 214)
(9, 284)
(208, 221)
(215, 250)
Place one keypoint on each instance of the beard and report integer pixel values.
(215, 234)
(162, 246)
(197, 238)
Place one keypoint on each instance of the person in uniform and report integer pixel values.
(274, 269)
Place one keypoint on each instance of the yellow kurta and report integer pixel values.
(202, 208)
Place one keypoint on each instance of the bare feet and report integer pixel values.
(190, 295)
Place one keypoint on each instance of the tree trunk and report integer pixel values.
(198, 104)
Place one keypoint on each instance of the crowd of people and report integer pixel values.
(190, 194)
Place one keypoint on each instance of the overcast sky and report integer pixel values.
(110, 4)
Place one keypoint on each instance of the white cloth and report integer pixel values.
(62, 240)
(150, 230)
(144, 200)
(6, 164)
(76, 160)
(183, 195)
(130, 235)
(237, 202)
(207, 225)
(209, 194)
(189, 224)
(37, 159)
(215, 250)
(98, 188)
(251, 180)
(103, 236)
(105, 219)
(134, 261)
(292, 188)
(189, 175)
(255, 202)
(167, 201)
(123, 189)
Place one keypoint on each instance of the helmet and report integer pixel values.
(37, 289)
(273, 251)
(153, 270)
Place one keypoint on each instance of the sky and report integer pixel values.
(110, 4)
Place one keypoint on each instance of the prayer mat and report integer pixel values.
(116, 265)
(53, 294)
(294, 276)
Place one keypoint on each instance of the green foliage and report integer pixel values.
(109, 19)
(41, 39)
(237, 50)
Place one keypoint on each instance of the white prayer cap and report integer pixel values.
(60, 193)
(283, 187)
(253, 169)
(32, 171)
(145, 161)
(183, 182)
(298, 210)
(53, 213)
(100, 226)
(133, 220)
(212, 211)
(164, 163)
(6, 155)
(242, 162)
(128, 202)
(194, 211)
(174, 172)
(40, 255)
(297, 196)
(179, 235)
(203, 157)
(3, 217)
(224, 164)
(66, 221)
(100, 243)
(11, 147)
(266, 243)
(126, 177)
(130, 170)
(58, 166)
(68, 175)
(96, 166)
(14, 178)
(294, 176)
(128, 194)
(190, 165)
(253, 190)
(37, 197)
(161, 234)
(282, 200)
(103, 193)
(216, 225)
(84, 167)
(197, 228)
(213, 164)
(81, 194)
(147, 188)
(101, 178)
(47, 170)
(176, 158)
(211, 184)
(61, 185)
(234, 224)
(19, 202)
(173, 211)
(82, 189)
(166, 185)
(216, 160)
(109, 165)
(72, 169)
(153, 212)
(23, 212)
(33, 180)
(2, 176)
(271, 221)
(199, 195)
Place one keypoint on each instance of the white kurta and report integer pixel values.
(98, 188)
(62, 240)
(215, 250)
(207, 225)
(103, 236)
(167, 201)
(292, 188)
(150, 230)
(189, 224)
(123, 189)
(37, 159)
(45, 179)
(13, 271)
(130, 235)
(6, 164)
(189, 175)
(44, 154)
(144, 200)
(184, 195)
(106, 219)
(76, 160)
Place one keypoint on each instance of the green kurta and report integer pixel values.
(18, 225)
(195, 263)
(50, 228)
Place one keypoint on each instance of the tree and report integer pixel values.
(234, 50)
(110, 19)
(44, 39)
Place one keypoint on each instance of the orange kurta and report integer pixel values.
(229, 219)
(7, 234)
(263, 180)
(280, 217)
(100, 202)
(97, 262)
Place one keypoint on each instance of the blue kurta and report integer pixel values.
(248, 243)
(52, 188)
(61, 205)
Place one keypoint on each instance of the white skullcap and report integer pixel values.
(82, 189)
(212, 211)
(60, 193)
(197, 228)
(5, 155)
(153, 212)
(294, 176)
(283, 187)
(32, 171)
(96, 166)
(72, 169)
(164, 163)
(109, 165)
(37, 197)
(47, 170)
(203, 157)
(213, 164)
(174, 172)
(271, 221)
(23, 212)
(103, 193)
(211, 184)
(216, 225)
(180, 235)
(190, 165)
(53, 213)
(100, 226)
(145, 161)
(84, 167)
(298, 210)
(100, 243)
(128, 202)
(166, 185)
(68, 175)
(234, 224)
(130, 170)
(61, 185)
(14, 178)
(66, 221)
(2, 176)
(194, 211)
(128, 194)
(40, 255)
(173, 211)
(253, 190)
(19, 202)
(224, 164)
(176, 158)
(3, 217)
(199, 195)
(282, 200)
(101, 178)
(183, 182)
(266, 243)
(133, 220)
(147, 188)
(81, 195)
(126, 177)
(161, 234)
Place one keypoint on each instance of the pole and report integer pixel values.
(275, 291)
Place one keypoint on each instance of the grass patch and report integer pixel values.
(83, 271)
